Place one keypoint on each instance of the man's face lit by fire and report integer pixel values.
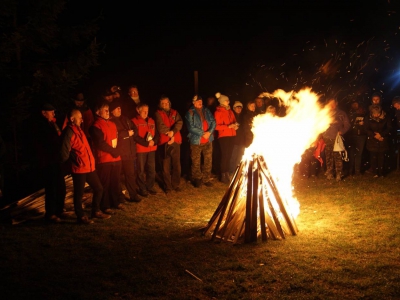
(396, 105)
(76, 118)
(251, 107)
(104, 112)
(133, 92)
(259, 102)
(376, 100)
(143, 112)
(331, 104)
(165, 104)
(116, 112)
(198, 104)
(48, 114)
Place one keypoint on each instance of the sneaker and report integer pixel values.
(85, 220)
(152, 192)
(208, 184)
(143, 193)
(65, 215)
(100, 215)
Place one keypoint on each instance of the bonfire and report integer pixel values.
(259, 201)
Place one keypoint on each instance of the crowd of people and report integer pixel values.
(121, 151)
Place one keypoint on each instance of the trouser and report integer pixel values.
(171, 165)
(377, 160)
(333, 160)
(55, 190)
(237, 154)
(226, 147)
(110, 174)
(356, 148)
(93, 180)
(128, 170)
(195, 153)
(146, 164)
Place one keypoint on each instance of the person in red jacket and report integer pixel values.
(169, 124)
(104, 135)
(76, 149)
(226, 127)
(146, 146)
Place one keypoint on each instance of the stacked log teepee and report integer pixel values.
(252, 207)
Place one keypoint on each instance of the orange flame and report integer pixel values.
(283, 140)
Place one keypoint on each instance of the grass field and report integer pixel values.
(348, 247)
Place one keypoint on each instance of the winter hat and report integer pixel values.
(113, 105)
(48, 107)
(196, 97)
(221, 98)
(237, 103)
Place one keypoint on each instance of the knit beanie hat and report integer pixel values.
(237, 103)
(221, 98)
(196, 97)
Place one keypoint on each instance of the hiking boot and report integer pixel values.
(100, 215)
(135, 198)
(197, 183)
(85, 220)
(208, 184)
(108, 211)
(143, 193)
(53, 219)
(152, 192)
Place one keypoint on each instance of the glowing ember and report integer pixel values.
(260, 197)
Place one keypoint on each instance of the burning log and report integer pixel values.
(251, 207)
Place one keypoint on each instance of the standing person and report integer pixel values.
(76, 149)
(48, 143)
(260, 105)
(108, 160)
(131, 102)
(248, 122)
(201, 125)
(127, 131)
(226, 126)
(340, 125)
(2, 162)
(239, 143)
(356, 137)
(169, 124)
(146, 146)
(378, 126)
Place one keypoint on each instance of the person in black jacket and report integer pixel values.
(378, 126)
(127, 131)
(48, 145)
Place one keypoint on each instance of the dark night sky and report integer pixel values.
(158, 46)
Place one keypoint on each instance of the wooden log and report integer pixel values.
(288, 218)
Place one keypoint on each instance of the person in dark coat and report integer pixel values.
(356, 137)
(127, 131)
(48, 143)
(378, 126)
(239, 143)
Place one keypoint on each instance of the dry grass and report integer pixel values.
(348, 247)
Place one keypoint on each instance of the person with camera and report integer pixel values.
(226, 125)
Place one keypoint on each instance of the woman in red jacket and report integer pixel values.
(226, 127)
